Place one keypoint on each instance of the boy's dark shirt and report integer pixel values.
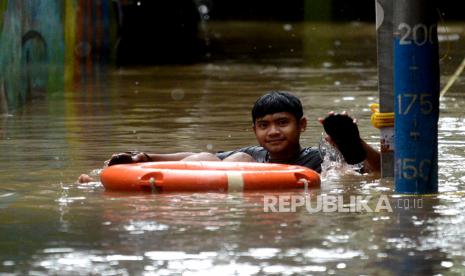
(308, 157)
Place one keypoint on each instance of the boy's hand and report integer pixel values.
(84, 178)
(343, 132)
(332, 113)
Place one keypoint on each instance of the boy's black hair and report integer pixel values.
(277, 101)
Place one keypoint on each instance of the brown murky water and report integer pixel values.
(50, 225)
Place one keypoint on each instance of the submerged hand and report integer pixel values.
(84, 178)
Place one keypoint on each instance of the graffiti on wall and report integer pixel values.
(44, 44)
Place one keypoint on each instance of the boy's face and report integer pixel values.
(279, 133)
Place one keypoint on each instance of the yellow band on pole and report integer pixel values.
(380, 120)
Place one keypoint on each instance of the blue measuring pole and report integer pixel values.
(416, 92)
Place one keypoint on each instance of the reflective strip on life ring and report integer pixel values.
(207, 176)
(235, 181)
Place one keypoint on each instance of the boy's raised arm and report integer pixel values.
(343, 132)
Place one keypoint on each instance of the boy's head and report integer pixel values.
(274, 102)
(277, 123)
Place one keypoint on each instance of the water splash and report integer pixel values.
(334, 166)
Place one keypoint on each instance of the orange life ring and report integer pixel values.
(207, 176)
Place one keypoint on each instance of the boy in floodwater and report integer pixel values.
(278, 122)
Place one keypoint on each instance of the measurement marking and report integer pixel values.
(415, 135)
(414, 64)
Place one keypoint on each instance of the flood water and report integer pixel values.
(49, 225)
